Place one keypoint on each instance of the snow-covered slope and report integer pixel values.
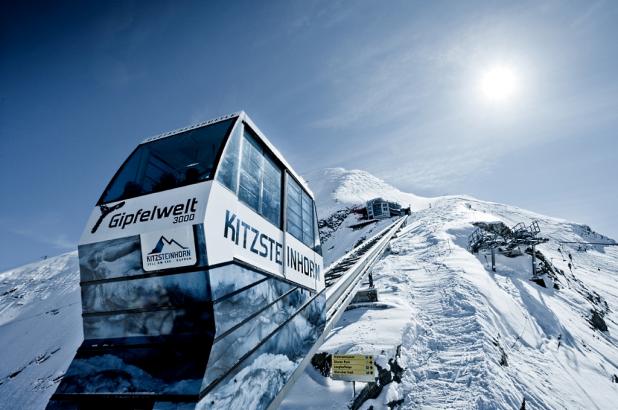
(469, 337)
(473, 338)
(40, 329)
(337, 191)
(483, 339)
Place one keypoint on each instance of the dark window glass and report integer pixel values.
(294, 210)
(271, 192)
(300, 212)
(260, 181)
(170, 162)
(250, 174)
(377, 211)
(227, 171)
(317, 246)
(307, 207)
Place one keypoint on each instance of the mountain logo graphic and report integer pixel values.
(164, 242)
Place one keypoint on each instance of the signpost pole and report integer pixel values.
(533, 261)
(493, 259)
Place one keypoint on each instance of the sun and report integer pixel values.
(499, 83)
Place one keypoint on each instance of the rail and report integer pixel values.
(592, 243)
(341, 291)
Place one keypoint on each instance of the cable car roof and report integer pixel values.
(242, 116)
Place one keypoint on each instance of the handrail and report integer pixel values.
(334, 293)
(338, 297)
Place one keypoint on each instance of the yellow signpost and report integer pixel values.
(353, 367)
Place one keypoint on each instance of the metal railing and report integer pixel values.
(340, 294)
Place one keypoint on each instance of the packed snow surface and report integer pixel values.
(474, 338)
(40, 329)
(469, 337)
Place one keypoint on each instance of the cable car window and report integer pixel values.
(271, 192)
(317, 246)
(293, 211)
(307, 216)
(299, 211)
(260, 181)
(171, 162)
(250, 174)
(227, 172)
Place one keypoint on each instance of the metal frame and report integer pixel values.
(520, 234)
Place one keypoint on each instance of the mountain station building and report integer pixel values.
(378, 208)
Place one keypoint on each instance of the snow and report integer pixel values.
(388, 395)
(40, 329)
(345, 238)
(336, 188)
(475, 338)
(469, 337)
(315, 392)
(466, 314)
(374, 329)
(267, 373)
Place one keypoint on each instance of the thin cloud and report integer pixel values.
(583, 18)
(375, 86)
(58, 241)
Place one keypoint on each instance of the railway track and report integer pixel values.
(338, 269)
(343, 278)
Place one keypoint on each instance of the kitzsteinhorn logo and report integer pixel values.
(168, 249)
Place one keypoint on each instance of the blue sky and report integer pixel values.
(389, 87)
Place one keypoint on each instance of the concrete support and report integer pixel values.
(366, 296)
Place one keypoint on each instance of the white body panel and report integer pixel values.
(149, 213)
(249, 237)
(235, 231)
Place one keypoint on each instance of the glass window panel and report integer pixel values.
(271, 192)
(294, 209)
(299, 212)
(259, 179)
(295, 231)
(250, 174)
(178, 160)
(293, 216)
(317, 246)
(307, 217)
(227, 173)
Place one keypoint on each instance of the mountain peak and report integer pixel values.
(336, 188)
